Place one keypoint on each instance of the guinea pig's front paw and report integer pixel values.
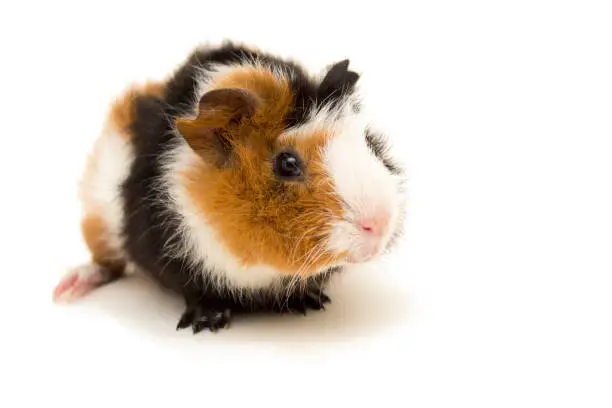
(310, 300)
(201, 317)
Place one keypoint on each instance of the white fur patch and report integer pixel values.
(100, 191)
(326, 118)
(365, 185)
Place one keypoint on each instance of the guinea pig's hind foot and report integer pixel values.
(81, 280)
(202, 316)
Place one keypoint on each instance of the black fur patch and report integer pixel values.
(378, 145)
(150, 227)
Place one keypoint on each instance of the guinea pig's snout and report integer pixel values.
(373, 231)
(374, 226)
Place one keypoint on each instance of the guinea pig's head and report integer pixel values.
(299, 197)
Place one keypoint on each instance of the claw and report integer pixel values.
(186, 319)
(200, 317)
(198, 327)
(303, 302)
(300, 308)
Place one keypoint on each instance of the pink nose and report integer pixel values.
(373, 225)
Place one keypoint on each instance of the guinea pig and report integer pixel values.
(241, 183)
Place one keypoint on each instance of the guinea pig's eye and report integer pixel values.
(287, 166)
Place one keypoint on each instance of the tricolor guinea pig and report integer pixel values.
(241, 182)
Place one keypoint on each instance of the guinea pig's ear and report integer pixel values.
(209, 134)
(338, 78)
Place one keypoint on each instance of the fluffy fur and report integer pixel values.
(181, 185)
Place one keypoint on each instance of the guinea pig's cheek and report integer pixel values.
(341, 239)
(337, 238)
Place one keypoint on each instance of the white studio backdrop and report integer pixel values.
(499, 295)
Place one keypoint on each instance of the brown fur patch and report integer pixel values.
(274, 94)
(121, 113)
(94, 232)
(259, 218)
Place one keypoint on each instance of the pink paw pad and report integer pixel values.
(78, 282)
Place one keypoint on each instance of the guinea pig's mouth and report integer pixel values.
(363, 241)
(358, 257)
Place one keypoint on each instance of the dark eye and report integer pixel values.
(288, 166)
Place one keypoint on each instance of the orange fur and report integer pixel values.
(94, 231)
(274, 98)
(275, 94)
(260, 219)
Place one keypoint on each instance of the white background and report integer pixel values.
(501, 293)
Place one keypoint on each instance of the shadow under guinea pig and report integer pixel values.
(363, 303)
